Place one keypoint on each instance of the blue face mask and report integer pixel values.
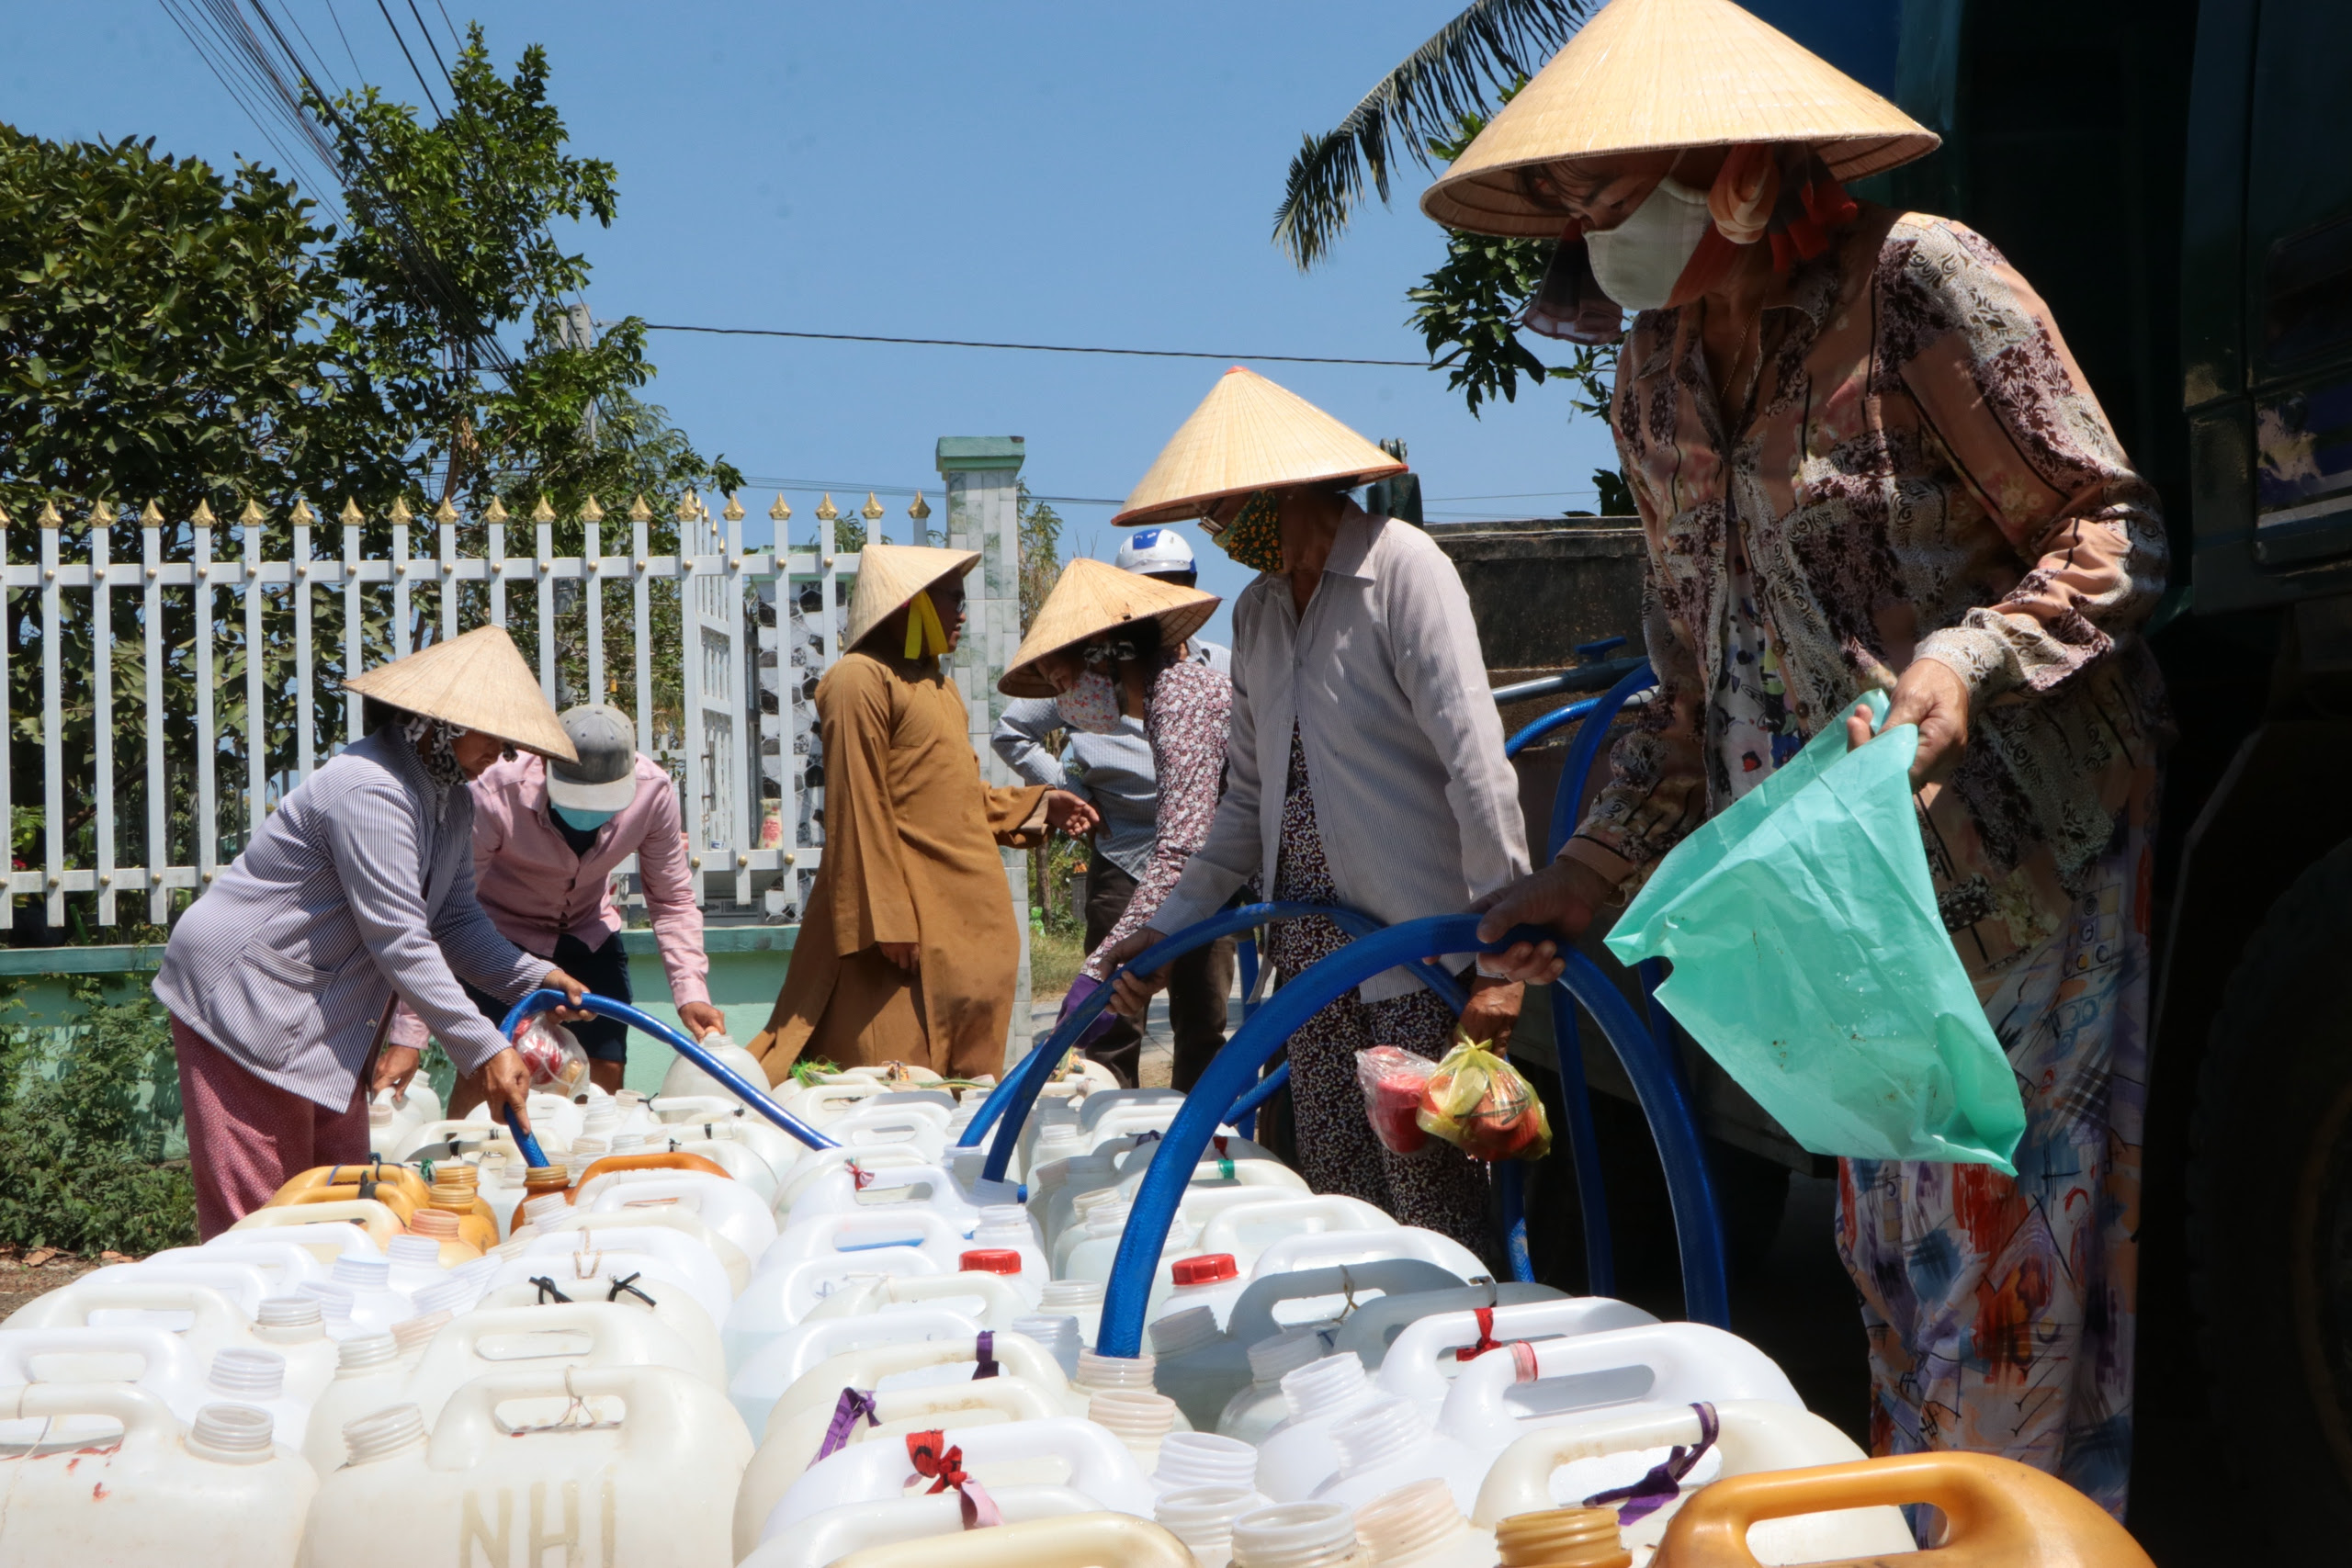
(585, 821)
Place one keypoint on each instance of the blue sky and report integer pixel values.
(1044, 171)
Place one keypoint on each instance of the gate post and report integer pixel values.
(981, 475)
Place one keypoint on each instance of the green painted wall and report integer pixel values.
(747, 968)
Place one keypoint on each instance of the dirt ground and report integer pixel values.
(25, 1275)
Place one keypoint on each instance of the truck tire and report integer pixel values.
(2270, 1216)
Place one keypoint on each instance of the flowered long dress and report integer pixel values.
(1917, 469)
(1437, 1187)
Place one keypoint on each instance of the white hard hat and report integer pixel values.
(1154, 550)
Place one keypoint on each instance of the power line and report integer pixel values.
(402, 40)
(856, 487)
(1029, 347)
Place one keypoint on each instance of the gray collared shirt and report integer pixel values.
(1113, 771)
(1416, 804)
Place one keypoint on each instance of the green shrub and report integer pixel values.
(83, 1156)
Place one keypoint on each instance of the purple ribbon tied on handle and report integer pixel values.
(1081, 989)
(984, 1352)
(1663, 1484)
(852, 1404)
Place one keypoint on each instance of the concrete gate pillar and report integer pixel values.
(981, 475)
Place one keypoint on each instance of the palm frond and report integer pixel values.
(1424, 99)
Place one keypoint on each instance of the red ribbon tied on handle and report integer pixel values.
(943, 1467)
(1487, 1341)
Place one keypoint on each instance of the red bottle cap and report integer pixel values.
(991, 1260)
(1207, 1269)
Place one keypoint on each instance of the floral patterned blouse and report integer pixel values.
(1185, 721)
(1918, 470)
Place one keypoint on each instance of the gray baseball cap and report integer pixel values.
(605, 779)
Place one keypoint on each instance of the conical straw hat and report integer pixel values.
(475, 681)
(1092, 597)
(1249, 435)
(1649, 74)
(890, 576)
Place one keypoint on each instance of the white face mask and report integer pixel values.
(1639, 261)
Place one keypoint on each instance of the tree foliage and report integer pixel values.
(450, 245)
(1490, 43)
(162, 336)
(172, 335)
(1040, 536)
(1468, 310)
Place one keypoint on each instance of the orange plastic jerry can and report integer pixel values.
(354, 1178)
(2000, 1514)
(674, 1160)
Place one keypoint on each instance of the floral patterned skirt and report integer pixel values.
(2001, 1312)
(1438, 1188)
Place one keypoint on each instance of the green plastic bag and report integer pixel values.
(1810, 962)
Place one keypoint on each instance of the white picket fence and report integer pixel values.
(743, 771)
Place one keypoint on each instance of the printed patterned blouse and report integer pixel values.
(1919, 471)
(1186, 722)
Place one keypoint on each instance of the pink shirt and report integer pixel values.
(536, 889)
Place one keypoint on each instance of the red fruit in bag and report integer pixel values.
(1481, 1104)
(1392, 1081)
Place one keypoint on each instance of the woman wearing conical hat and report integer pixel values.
(908, 950)
(356, 894)
(1864, 458)
(1364, 765)
(1107, 645)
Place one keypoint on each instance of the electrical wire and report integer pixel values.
(858, 486)
(401, 38)
(1029, 347)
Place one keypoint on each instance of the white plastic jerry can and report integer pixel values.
(545, 1339)
(833, 1535)
(1506, 1394)
(727, 1206)
(1611, 1448)
(1098, 1465)
(1072, 1540)
(661, 1216)
(1419, 1362)
(792, 1440)
(642, 1469)
(218, 1495)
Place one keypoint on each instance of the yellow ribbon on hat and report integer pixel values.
(924, 634)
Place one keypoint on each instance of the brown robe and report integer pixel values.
(911, 855)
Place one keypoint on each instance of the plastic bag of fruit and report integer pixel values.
(552, 1053)
(1392, 1079)
(1482, 1105)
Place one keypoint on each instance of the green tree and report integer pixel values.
(450, 245)
(1468, 310)
(1040, 537)
(1430, 107)
(168, 336)
(1417, 106)
(163, 337)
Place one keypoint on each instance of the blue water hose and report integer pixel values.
(741, 1088)
(1698, 1234)
(1575, 1107)
(1586, 748)
(1008, 1105)
(1557, 719)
